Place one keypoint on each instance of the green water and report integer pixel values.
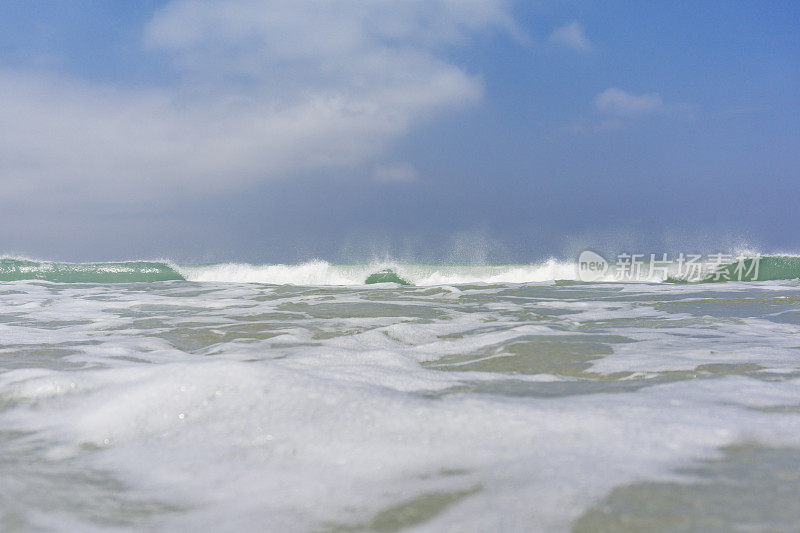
(123, 272)
(385, 276)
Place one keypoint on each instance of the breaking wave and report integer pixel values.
(122, 272)
(322, 273)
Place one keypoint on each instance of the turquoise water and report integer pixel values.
(234, 397)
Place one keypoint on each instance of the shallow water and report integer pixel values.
(178, 405)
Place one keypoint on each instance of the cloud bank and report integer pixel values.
(396, 173)
(617, 102)
(259, 90)
(572, 36)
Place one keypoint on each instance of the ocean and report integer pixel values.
(391, 396)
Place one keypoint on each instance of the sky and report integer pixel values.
(347, 130)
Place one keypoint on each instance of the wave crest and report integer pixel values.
(14, 269)
(322, 273)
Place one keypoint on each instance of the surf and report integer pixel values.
(378, 273)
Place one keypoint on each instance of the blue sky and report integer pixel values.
(277, 131)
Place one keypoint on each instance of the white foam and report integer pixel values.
(260, 442)
(319, 411)
(323, 273)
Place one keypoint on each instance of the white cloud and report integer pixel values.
(262, 90)
(572, 36)
(617, 102)
(396, 173)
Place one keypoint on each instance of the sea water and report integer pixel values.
(231, 397)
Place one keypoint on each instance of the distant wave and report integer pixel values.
(13, 269)
(769, 268)
(322, 273)
(420, 274)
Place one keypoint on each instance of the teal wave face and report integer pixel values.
(123, 272)
(766, 268)
(386, 276)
